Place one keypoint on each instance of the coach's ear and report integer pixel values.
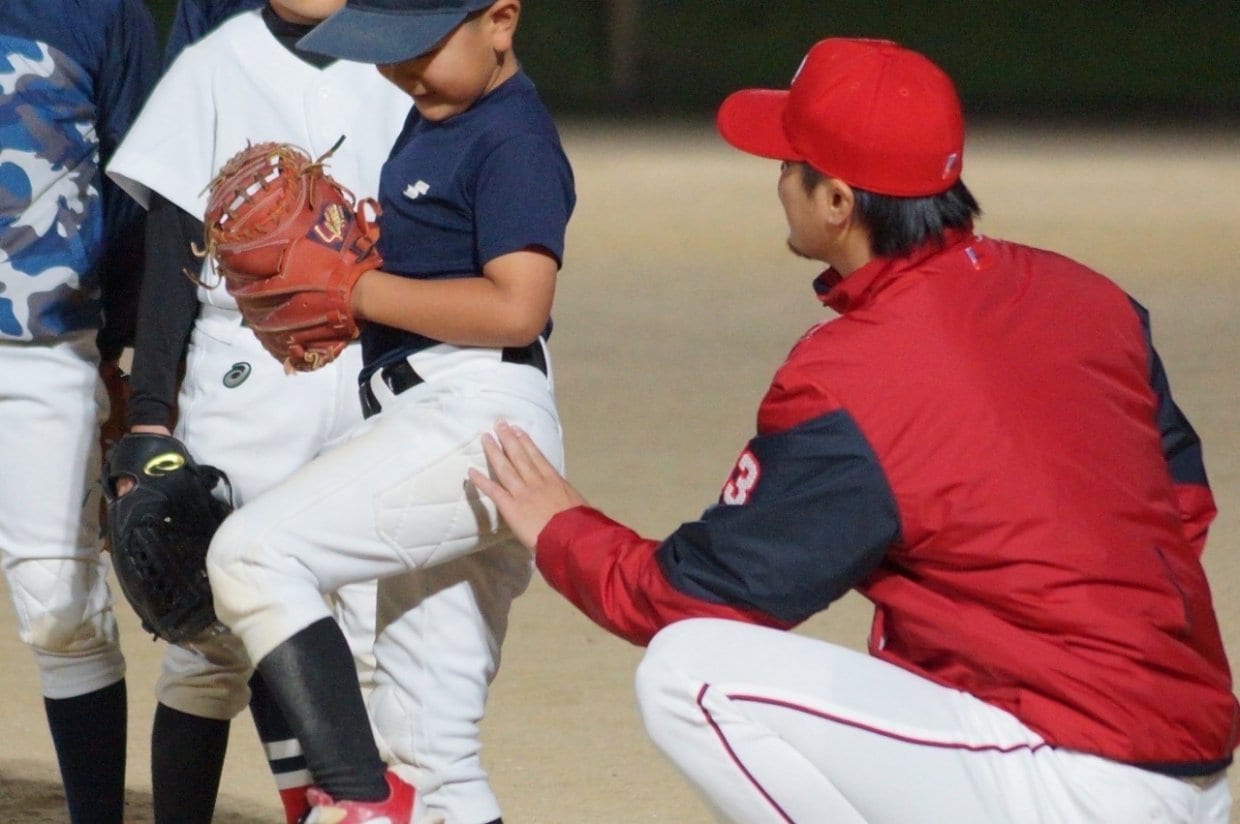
(835, 201)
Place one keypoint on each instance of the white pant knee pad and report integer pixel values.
(263, 597)
(65, 615)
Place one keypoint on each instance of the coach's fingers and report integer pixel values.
(510, 493)
(524, 517)
(527, 490)
(535, 475)
(500, 466)
(524, 455)
(491, 489)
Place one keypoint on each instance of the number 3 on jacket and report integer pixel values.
(743, 479)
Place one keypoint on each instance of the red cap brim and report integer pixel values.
(752, 120)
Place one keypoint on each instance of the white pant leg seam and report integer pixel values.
(993, 747)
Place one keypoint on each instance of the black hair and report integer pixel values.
(898, 225)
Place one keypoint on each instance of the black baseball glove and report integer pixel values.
(159, 530)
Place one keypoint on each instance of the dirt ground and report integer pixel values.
(676, 304)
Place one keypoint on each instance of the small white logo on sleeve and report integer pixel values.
(415, 190)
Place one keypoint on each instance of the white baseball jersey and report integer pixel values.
(238, 86)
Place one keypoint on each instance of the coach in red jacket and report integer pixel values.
(985, 446)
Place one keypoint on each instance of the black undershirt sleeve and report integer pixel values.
(120, 269)
(167, 306)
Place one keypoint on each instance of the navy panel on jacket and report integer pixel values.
(818, 519)
(1180, 444)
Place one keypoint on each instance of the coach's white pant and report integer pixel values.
(769, 726)
(51, 405)
(394, 503)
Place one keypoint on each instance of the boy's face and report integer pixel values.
(305, 12)
(473, 59)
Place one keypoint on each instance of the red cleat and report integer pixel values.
(397, 808)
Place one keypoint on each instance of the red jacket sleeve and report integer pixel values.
(611, 574)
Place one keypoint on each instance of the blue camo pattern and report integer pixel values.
(51, 213)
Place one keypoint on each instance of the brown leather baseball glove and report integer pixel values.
(290, 243)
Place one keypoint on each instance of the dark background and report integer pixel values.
(1072, 61)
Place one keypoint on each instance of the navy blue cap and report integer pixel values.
(387, 31)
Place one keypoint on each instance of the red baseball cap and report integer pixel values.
(870, 112)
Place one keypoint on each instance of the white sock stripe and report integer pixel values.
(288, 748)
(289, 780)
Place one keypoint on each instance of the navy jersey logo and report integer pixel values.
(744, 478)
(415, 190)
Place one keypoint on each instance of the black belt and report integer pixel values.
(401, 375)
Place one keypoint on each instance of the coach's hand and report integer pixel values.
(526, 488)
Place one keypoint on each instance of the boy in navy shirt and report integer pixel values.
(475, 198)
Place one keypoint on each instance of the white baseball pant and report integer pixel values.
(770, 726)
(52, 403)
(394, 503)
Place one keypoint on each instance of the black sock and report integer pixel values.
(283, 750)
(187, 758)
(272, 726)
(89, 734)
(314, 680)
